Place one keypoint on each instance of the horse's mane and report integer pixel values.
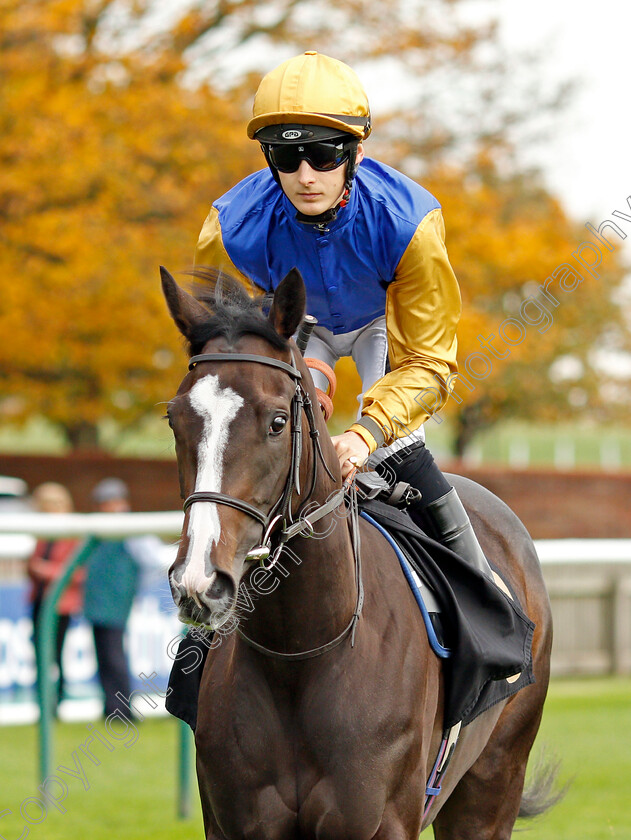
(232, 313)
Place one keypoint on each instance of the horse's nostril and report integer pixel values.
(178, 592)
(222, 587)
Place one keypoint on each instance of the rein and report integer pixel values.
(281, 510)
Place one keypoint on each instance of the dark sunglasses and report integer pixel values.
(321, 155)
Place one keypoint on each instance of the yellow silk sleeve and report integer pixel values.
(422, 312)
(211, 252)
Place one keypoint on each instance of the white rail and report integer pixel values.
(589, 581)
(19, 530)
(583, 551)
(23, 527)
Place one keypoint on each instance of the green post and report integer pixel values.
(184, 785)
(44, 651)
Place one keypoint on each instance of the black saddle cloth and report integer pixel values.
(489, 635)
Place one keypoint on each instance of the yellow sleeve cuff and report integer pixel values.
(365, 435)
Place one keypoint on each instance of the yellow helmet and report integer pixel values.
(311, 89)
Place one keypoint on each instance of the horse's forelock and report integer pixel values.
(232, 313)
(215, 288)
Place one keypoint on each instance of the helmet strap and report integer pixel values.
(321, 221)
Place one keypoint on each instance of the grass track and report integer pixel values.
(587, 725)
(131, 796)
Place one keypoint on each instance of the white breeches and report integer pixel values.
(368, 347)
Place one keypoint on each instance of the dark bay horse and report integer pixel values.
(321, 717)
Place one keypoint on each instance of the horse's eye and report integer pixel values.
(278, 424)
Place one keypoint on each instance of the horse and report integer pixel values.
(322, 714)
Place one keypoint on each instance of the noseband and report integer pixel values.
(281, 510)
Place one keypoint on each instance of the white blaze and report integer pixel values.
(217, 407)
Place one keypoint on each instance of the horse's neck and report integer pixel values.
(308, 598)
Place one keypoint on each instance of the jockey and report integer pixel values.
(369, 243)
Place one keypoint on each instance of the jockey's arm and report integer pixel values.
(210, 251)
(422, 312)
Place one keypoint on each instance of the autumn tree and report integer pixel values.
(532, 305)
(121, 123)
(109, 165)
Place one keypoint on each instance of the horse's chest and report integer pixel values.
(313, 766)
(274, 780)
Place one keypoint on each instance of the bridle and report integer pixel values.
(281, 510)
(279, 525)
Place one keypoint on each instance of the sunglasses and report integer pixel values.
(321, 155)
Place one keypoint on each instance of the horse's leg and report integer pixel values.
(211, 829)
(394, 831)
(485, 803)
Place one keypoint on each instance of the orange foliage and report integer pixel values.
(110, 161)
(109, 168)
(506, 236)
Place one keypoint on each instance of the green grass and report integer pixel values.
(577, 445)
(587, 726)
(132, 793)
(151, 438)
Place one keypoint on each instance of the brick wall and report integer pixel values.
(554, 505)
(551, 504)
(153, 484)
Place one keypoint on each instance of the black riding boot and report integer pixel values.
(450, 524)
(439, 511)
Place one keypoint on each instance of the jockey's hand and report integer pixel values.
(351, 450)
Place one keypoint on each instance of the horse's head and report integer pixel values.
(234, 418)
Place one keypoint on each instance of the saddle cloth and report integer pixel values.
(488, 636)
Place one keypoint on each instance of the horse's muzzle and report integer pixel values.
(207, 604)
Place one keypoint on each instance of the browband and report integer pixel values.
(245, 357)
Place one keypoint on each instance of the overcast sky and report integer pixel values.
(588, 163)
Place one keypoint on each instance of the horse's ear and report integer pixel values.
(185, 310)
(289, 304)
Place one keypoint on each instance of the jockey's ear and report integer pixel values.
(185, 310)
(289, 304)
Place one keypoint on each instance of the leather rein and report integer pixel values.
(279, 524)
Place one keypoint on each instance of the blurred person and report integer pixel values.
(45, 566)
(13, 494)
(114, 568)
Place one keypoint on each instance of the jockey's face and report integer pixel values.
(313, 192)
